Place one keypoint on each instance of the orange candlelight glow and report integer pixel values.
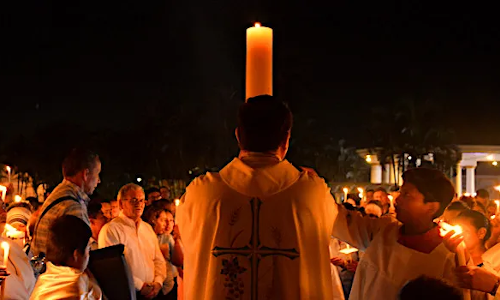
(259, 61)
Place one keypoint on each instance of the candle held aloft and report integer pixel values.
(444, 229)
(259, 61)
(6, 248)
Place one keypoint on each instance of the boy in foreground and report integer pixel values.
(397, 251)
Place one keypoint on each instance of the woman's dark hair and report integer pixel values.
(457, 206)
(67, 234)
(478, 220)
(152, 214)
(469, 201)
(263, 124)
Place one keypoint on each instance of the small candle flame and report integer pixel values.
(8, 168)
(493, 217)
(17, 198)
(177, 202)
(445, 228)
(257, 24)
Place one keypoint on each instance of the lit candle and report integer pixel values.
(345, 190)
(177, 202)
(444, 229)
(6, 247)
(8, 171)
(3, 190)
(259, 71)
(18, 198)
(391, 199)
(348, 250)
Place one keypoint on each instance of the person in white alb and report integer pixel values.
(142, 251)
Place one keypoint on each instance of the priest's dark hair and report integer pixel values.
(429, 288)
(78, 160)
(67, 234)
(433, 184)
(263, 124)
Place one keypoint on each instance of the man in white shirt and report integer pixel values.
(142, 251)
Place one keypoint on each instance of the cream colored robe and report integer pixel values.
(277, 221)
(387, 265)
(21, 281)
(65, 283)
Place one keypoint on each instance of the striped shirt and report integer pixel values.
(68, 207)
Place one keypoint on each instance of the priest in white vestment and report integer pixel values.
(260, 228)
(397, 251)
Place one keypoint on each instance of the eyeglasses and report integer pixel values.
(135, 200)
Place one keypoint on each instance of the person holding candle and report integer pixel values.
(397, 251)
(21, 281)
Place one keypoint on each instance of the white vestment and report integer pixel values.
(387, 265)
(21, 281)
(258, 229)
(60, 282)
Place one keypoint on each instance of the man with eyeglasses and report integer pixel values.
(142, 251)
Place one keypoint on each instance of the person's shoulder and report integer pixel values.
(114, 224)
(203, 181)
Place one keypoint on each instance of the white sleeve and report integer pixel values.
(357, 230)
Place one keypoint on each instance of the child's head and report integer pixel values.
(475, 227)
(156, 216)
(453, 210)
(429, 288)
(424, 195)
(68, 244)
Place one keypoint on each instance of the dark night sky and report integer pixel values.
(101, 63)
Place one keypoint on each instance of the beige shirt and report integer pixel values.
(142, 250)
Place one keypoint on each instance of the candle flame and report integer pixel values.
(257, 24)
(3, 191)
(177, 202)
(8, 168)
(18, 198)
(493, 217)
(346, 190)
(348, 250)
(445, 228)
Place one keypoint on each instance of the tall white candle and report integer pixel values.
(345, 190)
(6, 248)
(8, 171)
(259, 61)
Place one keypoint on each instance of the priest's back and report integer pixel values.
(258, 229)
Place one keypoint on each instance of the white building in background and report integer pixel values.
(478, 169)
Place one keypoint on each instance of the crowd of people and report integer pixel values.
(260, 228)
